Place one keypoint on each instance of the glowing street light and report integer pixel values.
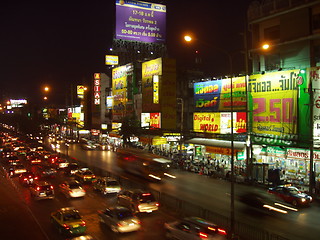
(188, 38)
(265, 46)
(45, 98)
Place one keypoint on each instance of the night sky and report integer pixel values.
(63, 44)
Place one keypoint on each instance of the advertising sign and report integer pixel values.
(149, 70)
(219, 122)
(112, 60)
(315, 78)
(97, 88)
(298, 153)
(119, 92)
(80, 91)
(215, 96)
(122, 81)
(273, 105)
(140, 21)
(151, 120)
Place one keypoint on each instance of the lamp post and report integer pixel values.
(188, 38)
(181, 126)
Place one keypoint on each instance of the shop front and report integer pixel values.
(286, 164)
(216, 154)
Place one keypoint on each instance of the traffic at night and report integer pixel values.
(133, 120)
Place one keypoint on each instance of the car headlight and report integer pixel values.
(310, 199)
(303, 199)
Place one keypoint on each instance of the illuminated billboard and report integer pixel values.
(215, 96)
(122, 80)
(112, 60)
(151, 120)
(140, 21)
(219, 123)
(97, 88)
(274, 103)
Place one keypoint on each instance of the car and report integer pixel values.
(191, 228)
(60, 163)
(42, 190)
(13, 160)
(27, 178)
(15, 170)
(138, 201)
(35, 159)
(85, 175)
(291, 194)
(52, 158)
(44, 171)
(72, 189)
(71, 169)
(106, 185)
(119, 219)
(68, 221)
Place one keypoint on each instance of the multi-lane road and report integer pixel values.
(24, 218)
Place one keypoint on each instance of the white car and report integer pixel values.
(72, 189)
(193, 228)
(119, 219)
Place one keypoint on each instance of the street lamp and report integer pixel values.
(181, 126)
(265, 46)
(187, 38)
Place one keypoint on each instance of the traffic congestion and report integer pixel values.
(44, 176)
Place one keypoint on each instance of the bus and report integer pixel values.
(144, 164)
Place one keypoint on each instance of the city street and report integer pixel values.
(214, 195)
(211, 194)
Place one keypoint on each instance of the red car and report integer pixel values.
(291, 195)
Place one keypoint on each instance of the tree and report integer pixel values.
(130, 127)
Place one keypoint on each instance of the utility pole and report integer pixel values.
(311, 175)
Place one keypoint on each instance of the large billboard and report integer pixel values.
(274, 106)
(215, 96)
(140, 21)
(121, 91)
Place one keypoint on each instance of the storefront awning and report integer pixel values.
(217, 143)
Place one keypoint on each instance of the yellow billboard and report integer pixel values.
(119, 92)
(274, 102)
(150, 69)
(206, 122)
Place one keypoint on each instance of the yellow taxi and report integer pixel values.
(68, 221)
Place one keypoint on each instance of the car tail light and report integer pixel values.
(35, 178)
(51, 187)
(203, 235)
(119, 224)
(66, 226)
(93, 176)
(157, 204)
(83, 224)
(146, 194)
(25, 179)
(38, 188)
(222, 231)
